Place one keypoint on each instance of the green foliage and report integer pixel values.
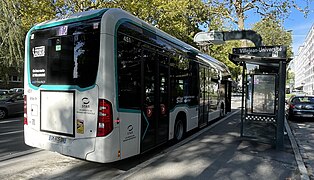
(290, 77)
(66, 7)
(221, 52)
(236, 10)
(180, 18)
(273, 33)
(33, 11)
(11, 37)
(15, 20)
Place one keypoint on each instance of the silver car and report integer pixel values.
(300, 107)
(11, 104)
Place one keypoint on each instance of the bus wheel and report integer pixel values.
(3, 113)
(178, 130)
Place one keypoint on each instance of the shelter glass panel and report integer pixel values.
(264, 94)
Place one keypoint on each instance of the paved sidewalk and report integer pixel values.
(304, 136)
(219, 153)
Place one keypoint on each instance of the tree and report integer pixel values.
(33, 11)
(236, 10)
(273, 33)
(290, 77)
(16, 19)
(11, 37)
(221, 52)
(180, 18)
(66, 7)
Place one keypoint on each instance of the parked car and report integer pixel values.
(4, 91)
(11, 104)
(300, 107)
(16, 90)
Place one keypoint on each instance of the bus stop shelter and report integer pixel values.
(263, 92)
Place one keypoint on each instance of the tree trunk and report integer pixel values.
(241, 21)
(240, 15)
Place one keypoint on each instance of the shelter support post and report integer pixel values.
(242, 97)
(281, 106)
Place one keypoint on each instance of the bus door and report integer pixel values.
(155, 99)
(203, 104)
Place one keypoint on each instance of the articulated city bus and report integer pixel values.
(103, 85)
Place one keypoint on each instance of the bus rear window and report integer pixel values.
(65, 55)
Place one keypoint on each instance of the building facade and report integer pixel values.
(304, 65)
(12, 79)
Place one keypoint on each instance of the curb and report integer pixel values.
(301, 166)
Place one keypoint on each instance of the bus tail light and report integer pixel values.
(105, 120)
(25, 110)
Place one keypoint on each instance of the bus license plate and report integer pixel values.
(57, 139)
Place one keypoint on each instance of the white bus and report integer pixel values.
(103, 85)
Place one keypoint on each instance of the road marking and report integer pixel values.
(3, 122)
(142, 165)
(13, 132)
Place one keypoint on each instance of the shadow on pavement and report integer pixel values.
(218, 153)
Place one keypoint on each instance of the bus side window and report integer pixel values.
(129, 72)
(184, 80)
(193, 83)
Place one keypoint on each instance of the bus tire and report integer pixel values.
(3, 113)
(179, 130)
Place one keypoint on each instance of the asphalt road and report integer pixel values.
(12, 136)
(19, 161)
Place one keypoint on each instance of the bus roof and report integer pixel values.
(81, 16)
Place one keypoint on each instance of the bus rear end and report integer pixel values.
(63, 111)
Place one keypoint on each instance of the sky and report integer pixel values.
(300, 27)
(296, 23)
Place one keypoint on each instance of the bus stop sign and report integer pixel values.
(262, 51)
